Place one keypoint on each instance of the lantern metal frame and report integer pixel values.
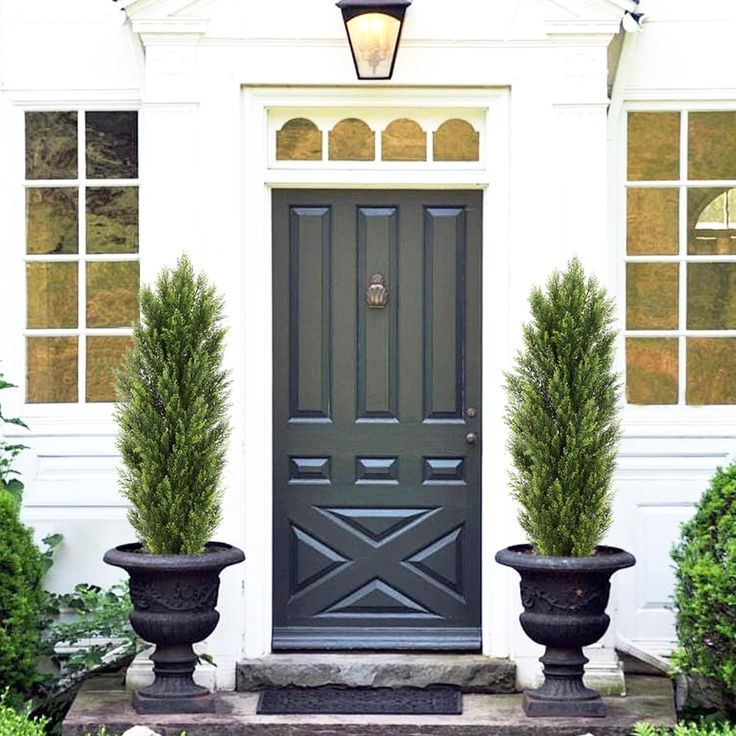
(353, 8)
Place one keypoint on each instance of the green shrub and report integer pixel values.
(705, 588)
(700, 728)
(172, 414)
(563, 416)
(21, 601)
(13, 723)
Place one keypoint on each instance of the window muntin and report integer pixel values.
(680, 329)
(82, 264)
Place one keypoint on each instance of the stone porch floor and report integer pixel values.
(103, 701)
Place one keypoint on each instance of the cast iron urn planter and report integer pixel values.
(174, 599)
(564, 601)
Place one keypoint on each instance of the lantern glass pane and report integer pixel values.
(374, 37)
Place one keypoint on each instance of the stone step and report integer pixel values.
(104, 702)
(473, 673)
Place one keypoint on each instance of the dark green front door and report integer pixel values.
(377, 406)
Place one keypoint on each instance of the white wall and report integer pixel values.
(187, 64)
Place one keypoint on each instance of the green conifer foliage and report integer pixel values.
(21, 601)
(705, 588)
(172, 414)
(562, 412)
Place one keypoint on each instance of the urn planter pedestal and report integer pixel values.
(564, 601)
(174, 599)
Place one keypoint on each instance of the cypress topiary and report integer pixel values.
(21, 602)
(563, 416)
(705, 588)
(172, 414)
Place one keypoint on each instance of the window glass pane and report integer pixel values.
(112, 294)
(653, 146)
(112, 220)
(651, 370)
(651, 296)
(52, 221)
(51, 145)
(51, 294)
(51, 370)
(403, 140)
(104, 357)
(456, 140)
(711, 296)
(711, 367)
(352, 140)
(711, 218)
(299, 140)
(712, 145)
(652, 218)
(112, 145)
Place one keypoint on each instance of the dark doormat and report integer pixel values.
(361, 701)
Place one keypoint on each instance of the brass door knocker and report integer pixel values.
(377, 295)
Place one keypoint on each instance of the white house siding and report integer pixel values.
(682, 59)
(204, 75)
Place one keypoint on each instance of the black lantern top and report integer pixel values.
(374, 31)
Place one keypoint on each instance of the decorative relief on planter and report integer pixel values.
(180, 596)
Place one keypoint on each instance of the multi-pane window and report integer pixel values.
(681, 258)
(82, 270)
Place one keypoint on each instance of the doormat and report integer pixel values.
(361, 701)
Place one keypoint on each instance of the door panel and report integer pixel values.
(376, 490)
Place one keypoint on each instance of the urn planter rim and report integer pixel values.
(131, 556)
(520, 557)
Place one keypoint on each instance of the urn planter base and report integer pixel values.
(174, 689)
(563, 693)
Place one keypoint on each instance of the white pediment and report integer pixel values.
(587, 10)
(576, 17)
(167, 16)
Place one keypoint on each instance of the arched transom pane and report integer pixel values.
(299, 140)
(352, 140)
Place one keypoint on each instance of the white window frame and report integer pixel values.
(711, 418)
(54, 418)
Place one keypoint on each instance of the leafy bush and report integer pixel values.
(705, 588)
(13, 723)
(21, 571)
(700, 728)
(563, 416)
(9, 451)
(173, 401)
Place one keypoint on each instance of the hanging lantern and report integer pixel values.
(374, 32)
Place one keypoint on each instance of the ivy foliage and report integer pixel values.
(693, 728)
(172, 414)
(563, 415)
(9, 451)
(705, 588)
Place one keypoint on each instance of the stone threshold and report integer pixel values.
(102, 702)
(473, 673)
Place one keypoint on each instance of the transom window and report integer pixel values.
(82, 269)
(681, 258)
(380, 136)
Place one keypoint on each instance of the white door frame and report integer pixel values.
(257, 375)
